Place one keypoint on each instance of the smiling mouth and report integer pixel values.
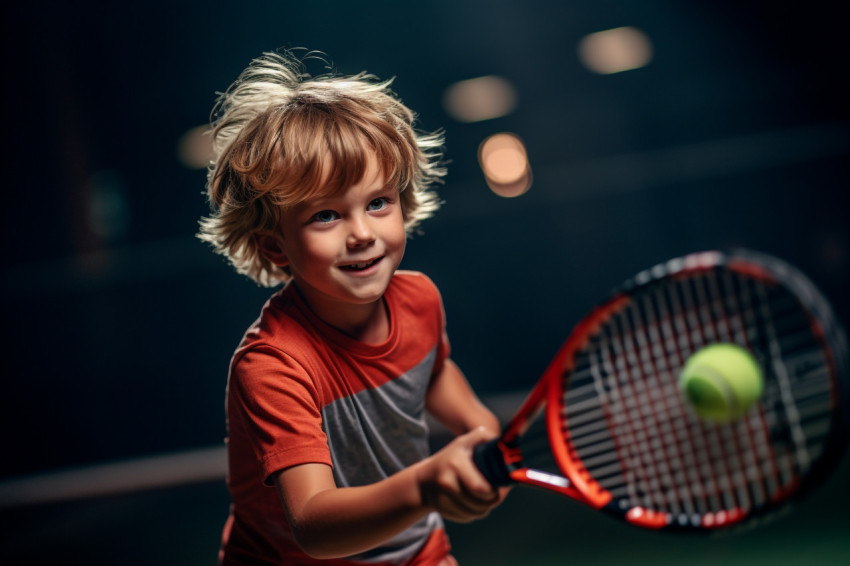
(360, 266)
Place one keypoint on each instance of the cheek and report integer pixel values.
(399, 243)
(318, 248)
(307, 250)
(397, 236)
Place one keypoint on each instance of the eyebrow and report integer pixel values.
(328, 200)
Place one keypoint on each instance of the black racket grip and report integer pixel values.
(488, 457)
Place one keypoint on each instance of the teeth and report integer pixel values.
(356, 266)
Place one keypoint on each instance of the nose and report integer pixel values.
(360, 232)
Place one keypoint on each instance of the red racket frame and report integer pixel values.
(548, 394)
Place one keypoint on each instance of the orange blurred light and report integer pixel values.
(504, 161)
(482, 98)
(195, 150)
(615, 50)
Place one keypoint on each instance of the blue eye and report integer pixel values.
(378, 203)
(325, 216)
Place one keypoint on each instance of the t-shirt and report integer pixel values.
(300, 391)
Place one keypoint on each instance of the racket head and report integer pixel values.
(623, 438)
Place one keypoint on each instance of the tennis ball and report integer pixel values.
(721, 382)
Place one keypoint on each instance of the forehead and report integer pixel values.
(326, 148)
(372, 184)
(338, 179)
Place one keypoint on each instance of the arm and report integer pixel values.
(332, 522)
(451, 401)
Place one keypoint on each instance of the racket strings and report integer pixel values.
(535, 448)
(729, 323)
(625, 418)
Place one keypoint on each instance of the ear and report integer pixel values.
(271, 247)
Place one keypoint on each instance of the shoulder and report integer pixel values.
(414, 282)
(413, 294)
(266, 372)
(282, 333)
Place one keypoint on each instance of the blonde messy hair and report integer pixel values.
(277, 132)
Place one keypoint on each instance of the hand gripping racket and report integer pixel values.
(607, 425)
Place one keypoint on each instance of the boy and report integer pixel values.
(317, 182)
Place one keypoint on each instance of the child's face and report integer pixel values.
(344, 249)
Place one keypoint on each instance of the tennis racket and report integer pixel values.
(607, 425)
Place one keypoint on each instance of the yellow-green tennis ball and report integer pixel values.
(721, 382)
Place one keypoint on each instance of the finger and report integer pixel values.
(473, 482)
(457, 499)
(474, 485)
(460, 510)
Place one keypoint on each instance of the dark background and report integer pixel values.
(118, 324)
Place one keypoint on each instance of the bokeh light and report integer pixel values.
(615, 50)
(194, 149)
(504, 161)
(482, 98)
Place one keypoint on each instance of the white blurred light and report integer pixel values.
(615, 50)
(504, 161)
(195, 150)
(482, 98)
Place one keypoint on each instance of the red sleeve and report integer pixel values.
(423, 300)
(444, 347)
(275, 404)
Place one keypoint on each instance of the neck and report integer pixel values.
(373, 330)
(368, 323)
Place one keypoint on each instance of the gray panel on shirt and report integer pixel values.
(376, 433)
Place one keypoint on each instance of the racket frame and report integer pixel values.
(548, 394)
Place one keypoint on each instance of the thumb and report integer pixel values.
(477, 436)
(475, 481)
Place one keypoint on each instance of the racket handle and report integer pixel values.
(488, 457)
